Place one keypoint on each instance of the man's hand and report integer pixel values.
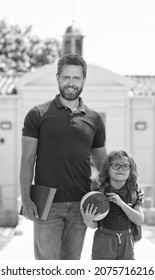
(30, 211)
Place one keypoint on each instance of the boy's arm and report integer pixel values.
(135, 214)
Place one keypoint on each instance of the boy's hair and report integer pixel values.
(104, 174)
(71, 59)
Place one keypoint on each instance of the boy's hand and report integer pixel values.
(115, 198)
(89, 214)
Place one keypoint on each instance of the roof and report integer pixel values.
(7, 83)
(73, 30)
(97, 76)
(142, 85)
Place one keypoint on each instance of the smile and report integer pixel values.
(70, 89)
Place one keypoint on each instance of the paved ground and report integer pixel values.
(17, 244)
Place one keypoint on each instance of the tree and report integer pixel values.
(20, 51)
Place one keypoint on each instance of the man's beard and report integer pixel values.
(70, 95)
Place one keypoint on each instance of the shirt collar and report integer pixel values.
(59, 105)
(122, 191)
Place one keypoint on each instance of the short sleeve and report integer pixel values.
(100, 137)
(32, 123)
(140, 197)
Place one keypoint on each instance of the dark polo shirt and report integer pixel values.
(65, 140)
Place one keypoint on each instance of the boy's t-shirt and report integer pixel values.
(116, 218)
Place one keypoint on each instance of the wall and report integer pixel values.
(104, 92)
(9, 143)
(142, 143)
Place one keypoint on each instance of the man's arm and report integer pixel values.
(29, 148)
(97, 156)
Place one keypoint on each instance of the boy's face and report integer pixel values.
(119, 170)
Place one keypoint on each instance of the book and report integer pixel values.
(43, 197)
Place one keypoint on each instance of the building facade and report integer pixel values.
(126, 104)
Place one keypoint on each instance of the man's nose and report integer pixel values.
(70, 82)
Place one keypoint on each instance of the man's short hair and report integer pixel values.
(71, 59)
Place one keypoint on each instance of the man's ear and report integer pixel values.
(57, 76)
(85, 79)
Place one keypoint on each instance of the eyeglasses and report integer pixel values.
(117, 166)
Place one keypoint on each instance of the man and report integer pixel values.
(60, 139)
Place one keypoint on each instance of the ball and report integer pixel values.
(99, 200)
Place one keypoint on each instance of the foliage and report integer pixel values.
(20, 51)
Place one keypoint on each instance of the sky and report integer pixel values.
(118, 34)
